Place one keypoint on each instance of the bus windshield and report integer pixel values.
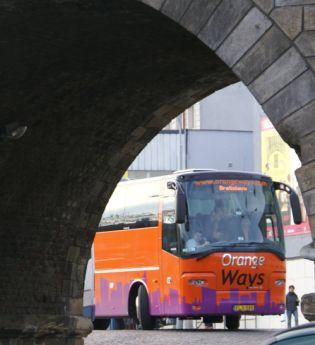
(231, 212)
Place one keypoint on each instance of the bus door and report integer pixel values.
(170, 261)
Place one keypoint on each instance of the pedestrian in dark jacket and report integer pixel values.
(291, 304)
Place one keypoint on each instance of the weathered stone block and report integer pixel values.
(265, 5)
(251, 28)
(311, 219)
(154, 3)
(306, 43)
(307, 145)
(309, 200)
(289, 19)
(175, 9)
(73, 254)
(309, 18)
(293, 97)
(308, 252)
(76, 290)
(298, 124)
(138, 132)
(306, 177)
(54, 341)
(66, 288)
(76, 306)
(223, 20)
(294, 2)
(279, 74)
(75, 341)
(311, 61)
(201, 9)
(261, 55)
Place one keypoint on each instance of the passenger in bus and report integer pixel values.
(215, 223)
(198, 240)
(249, 232)
(245, 229)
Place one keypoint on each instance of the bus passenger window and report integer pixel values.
(113, 216)
(142, 204)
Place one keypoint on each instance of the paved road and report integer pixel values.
(178, 337)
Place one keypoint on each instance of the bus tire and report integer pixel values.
(147, 322)
(232, 322)
(101, 324)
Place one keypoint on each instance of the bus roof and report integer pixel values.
(191, 172)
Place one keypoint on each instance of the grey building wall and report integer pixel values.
(231, 108)
(211, 149)
(223, 150)
(165, 152)
(234, 109)
(229, 138)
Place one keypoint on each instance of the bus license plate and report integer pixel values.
(244, 307)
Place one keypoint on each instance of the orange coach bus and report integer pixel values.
(194, 244)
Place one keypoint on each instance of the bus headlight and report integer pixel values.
(198, 282)
(279, 282)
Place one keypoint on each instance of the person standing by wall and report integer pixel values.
(291, 304)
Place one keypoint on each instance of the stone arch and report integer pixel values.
(269, 45)
(94, 81)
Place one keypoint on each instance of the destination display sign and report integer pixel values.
(231, 183)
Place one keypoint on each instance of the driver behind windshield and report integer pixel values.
(198, 240)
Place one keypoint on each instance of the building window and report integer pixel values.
(189, 119)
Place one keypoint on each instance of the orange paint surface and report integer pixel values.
(128, 256)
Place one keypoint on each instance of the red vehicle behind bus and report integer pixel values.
(190, 245)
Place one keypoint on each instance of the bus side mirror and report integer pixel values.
(294, 201)
(296, 207)
(181, 209)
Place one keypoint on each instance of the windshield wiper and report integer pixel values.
(244, 244)
(226, 246)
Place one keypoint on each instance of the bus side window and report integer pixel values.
(142, 205)
(113, 216)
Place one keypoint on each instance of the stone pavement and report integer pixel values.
(179, 337)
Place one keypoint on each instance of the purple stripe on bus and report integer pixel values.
(173, 305)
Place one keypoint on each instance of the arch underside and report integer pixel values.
(93, 84)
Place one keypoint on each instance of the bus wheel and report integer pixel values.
(146, 320)
(232, 322)
(101, 324)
